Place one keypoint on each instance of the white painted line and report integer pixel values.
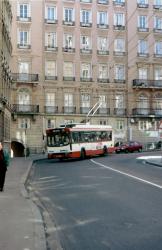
(129, 175)
(149, 157)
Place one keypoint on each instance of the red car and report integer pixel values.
(129, 147)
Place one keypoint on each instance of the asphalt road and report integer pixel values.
(103, 203)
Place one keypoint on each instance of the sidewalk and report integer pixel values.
(152, 160)
(21, 222)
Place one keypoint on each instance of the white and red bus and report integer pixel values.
(79, 141)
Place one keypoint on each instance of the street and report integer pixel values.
(103, 203)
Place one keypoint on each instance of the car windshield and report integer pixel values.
(58, 139)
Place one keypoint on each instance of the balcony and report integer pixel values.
(24, 77)
(157, 30)
(102, 26)
(121, 81)
(157, 7)
(147, 112)
(120, 111)
(25, 109)
(119, 53)
(85, 25)
(69, 110)
(51, 21)
(157, 55)
(51, 48)
(142, 5)
(69, 78)
(85, 79)
(50, 78)
(119, 27)
(68, 49)
(142, 29)
(119, 3)
(141, 83)
(103, 2)
(23, 46)
(68, 23)
(51, 109)
(86, 51)
(103, 52)
(86, 1)
(103, 111)
(84, 110)
(23, 19)
(143, 55)
(103, 80)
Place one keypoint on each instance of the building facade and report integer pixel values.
(5, 72)
(70, 55)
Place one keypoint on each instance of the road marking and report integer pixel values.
(129, 175)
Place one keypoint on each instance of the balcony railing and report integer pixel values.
(23, 19)
(142, 29)
(103, 80)
(86, 1)
(86, 51)
(103, 2)
(24, 77)
(102, 26)
(142, 5)
(69, 110)
(103, 111)
(51, 109)
(119, 53)
(157, 30)
(142, 54)
(157, 7)
(121, 81)
(156, 55)
(68, 23)
(120, 111)
(119, 27)
(147, 112)
(119, 3)
(68, 49)
(88, 25)
(51, 48)
(23, 108)
(140, 83)
(50, 78)
(51, 21)
(69, 78)
(23, 46)
(86, 79)
(84, 110)
(103, 52)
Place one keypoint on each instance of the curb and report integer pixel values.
(39, 230)
(154, 164)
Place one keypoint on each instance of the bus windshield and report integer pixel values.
(58, 139)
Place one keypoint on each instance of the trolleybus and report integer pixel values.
(79, 141)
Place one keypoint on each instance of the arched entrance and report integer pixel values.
(17, 148)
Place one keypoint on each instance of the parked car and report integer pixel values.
(129, 147)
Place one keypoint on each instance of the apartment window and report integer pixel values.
(158, 2)
(24, 100)
(103, 71)
(102, 18)
(23, 38)
(68, 100)
(68, 69)
(142, 22)
(102, 99)
(158, 23)
(85, 42)
(51, 39)
(102, 43)
(158, 48)
(119, 72)
(158, 73)
(23, 11)
(68, 15)
(50, 99)
(119, 101)
(23, 123)
(50, 68)
(68, 41)
(142, 73)
(119, 45)
(143, 104)
(51, 13)
(23, 71)
(85, 70)
(142, 47)
(120, 125)
(85, 16)
(85, 100)
(143, 125)
(119, 19)
(142, 1)
(50, 123)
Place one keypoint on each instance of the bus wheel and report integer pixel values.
(105, 151)
(82, 154)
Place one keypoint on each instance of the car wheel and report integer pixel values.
(126, 151)
(82, 154)
(104, 151)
